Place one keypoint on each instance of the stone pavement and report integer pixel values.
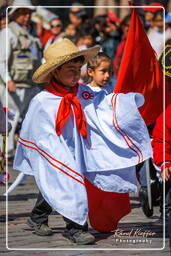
(20, 240)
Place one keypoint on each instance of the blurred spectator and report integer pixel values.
(20, 61)
(85, 36)
(124, 27)
(98, 22)
(78, 17)
(43, 34)
(83, 40)
(3, 19)
(42, 18)
(111, 35)
(76, 7)
(149, 11)
(168, 26)
(156, 34)
(70, 32)
(56, 30)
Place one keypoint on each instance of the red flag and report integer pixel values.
(106, 208)
(140, 72)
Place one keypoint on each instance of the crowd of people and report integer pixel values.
(26, 44)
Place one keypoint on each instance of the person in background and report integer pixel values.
(78, 17)
(149, 12)
(168, 26)
(56, 28)
(158, 156)
(156, 33)
(111, 35)
(124, 27)
(70, 32)
(3, 19)
(21, 65)
(84, 39)
(98, 22)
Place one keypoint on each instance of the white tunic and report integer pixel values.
(117, 141)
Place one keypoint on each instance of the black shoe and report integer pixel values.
(41, 229)
(79, 237)
(143, 196)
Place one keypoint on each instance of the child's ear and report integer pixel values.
(54, 73)
(90, 72)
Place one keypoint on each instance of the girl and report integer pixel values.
(99, 70)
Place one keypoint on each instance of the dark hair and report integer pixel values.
(80, 14)
(84, 30)
(55, 18)
(78, 59)
(75, 60)
(97, 60)
(157, 13)
(3, 11)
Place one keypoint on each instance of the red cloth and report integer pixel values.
(106, 208)
(158, 138)
(44, 36)
(69, 99)
(140, 72)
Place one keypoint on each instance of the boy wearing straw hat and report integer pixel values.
(63, 186)
(60, 144)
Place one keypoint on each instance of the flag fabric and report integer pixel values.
(140, 71)
(106, 208)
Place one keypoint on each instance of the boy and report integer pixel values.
(60, 144)
(66, 72)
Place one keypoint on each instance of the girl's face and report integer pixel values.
(101, 75)
(69, 73)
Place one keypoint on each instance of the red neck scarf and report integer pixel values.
(65, 110)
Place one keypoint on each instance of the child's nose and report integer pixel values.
(107, 74)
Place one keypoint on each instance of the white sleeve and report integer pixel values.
(7, 42)
(139, 99)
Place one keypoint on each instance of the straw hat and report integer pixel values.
(59, 53)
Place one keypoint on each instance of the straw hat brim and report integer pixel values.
(43, 73)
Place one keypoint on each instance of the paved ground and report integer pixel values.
(22, 241)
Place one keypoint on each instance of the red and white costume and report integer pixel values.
(115, 140)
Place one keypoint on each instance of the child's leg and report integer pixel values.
(72, 225)
(78, 233)
(39, 217)
(41, 210)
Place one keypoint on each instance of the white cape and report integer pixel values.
(117, 141)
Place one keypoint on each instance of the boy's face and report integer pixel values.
(101, 75)
(69, 73)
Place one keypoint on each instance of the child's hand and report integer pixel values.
(166, 172)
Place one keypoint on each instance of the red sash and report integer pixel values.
(68, 99)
